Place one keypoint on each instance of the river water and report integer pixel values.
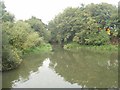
(65, 69)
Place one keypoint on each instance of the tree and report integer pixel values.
(81, 24)
(4, 15)
(38, 26)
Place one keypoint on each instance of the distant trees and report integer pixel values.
(38, 26)
(82, 24)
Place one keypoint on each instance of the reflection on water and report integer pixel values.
(87, 68)
(29, 65)
(65, 69)
(44, 77)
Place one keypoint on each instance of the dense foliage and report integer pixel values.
(38, 26)
(18, 37)
(93, 24)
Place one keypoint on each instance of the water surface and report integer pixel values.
(65, 69)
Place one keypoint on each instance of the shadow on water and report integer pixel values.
(65, 69)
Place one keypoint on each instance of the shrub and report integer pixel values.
(11, 58)
(101, 38)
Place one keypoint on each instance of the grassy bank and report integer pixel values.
(39, 49)
(101, 48)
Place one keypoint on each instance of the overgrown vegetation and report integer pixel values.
(102, 48)
(93, 24)
(38, 49)
(21, 37)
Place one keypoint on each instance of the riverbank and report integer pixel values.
(15, 58)
(101, 48)
(39, 49)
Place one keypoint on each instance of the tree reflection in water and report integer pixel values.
(87, 68)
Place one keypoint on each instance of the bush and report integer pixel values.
(101, 38)
(11, 58)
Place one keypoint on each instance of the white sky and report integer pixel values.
(45, 9)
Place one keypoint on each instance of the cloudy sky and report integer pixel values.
(45, 9)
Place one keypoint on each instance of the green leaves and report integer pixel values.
(11, 57)
(38, 26)
(100, 38)
(81, 24)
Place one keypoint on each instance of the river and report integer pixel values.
(64, 69)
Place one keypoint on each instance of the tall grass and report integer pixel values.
(101, 48)
(39, 49)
